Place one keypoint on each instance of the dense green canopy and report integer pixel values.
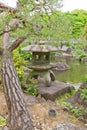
(43, 20)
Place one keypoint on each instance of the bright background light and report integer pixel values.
(69, 5)
(11, 3)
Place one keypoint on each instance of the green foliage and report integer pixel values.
(32, 88)
(58, 26)
(78, 49)
(26, 56)
(19, 62)
(81, 55)
(42, 24)
(84, 78)
(77, 111)
(2, 121)
(83, 93)
(79, 20)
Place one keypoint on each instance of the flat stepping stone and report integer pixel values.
(68, 126)
(56, 89)
(29, 99)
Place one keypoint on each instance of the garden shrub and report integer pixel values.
(2, 121)
(32, 87)
(83, 93)
(19, 62)
(76, 110)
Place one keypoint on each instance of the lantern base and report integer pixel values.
(44, 76)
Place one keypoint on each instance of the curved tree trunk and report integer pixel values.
(19, 117)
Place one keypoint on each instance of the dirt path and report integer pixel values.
(40, 112)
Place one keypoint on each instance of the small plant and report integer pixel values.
(84, 78)
(83, 93)
(82, 55)
(19, 62)
(32, 88)
(2, 121)
(77, 111)
(26, 56)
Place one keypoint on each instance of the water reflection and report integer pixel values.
(74, 75)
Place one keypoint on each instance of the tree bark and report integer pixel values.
(1, 51)
(19, 117)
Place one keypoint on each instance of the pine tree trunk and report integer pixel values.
(19, 117)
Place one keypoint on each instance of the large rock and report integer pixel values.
(64, 57)
(79, 102)
(30, 99)
(61, 66)
(56, 89)
(68, 126)
(66, 49)
(76, 98)
(84, 59)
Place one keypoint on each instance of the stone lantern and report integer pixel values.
(40, 63)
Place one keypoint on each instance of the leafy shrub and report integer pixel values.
(77, 111)
(83, 93)
(32, 88)
(19, 62)
(82, 55)
(84, 78)
(2, 121)
(25, 55)
(79, 53)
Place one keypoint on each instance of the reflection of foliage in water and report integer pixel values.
(74, 75)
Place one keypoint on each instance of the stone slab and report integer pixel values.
(68, 126)
(56, 89)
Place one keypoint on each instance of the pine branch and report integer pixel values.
(5, 32)
(16, 43)
(12, 25)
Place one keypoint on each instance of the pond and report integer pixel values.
(74, 75)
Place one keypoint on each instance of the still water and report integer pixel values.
(74, 75)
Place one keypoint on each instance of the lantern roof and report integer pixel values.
(40, 48)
